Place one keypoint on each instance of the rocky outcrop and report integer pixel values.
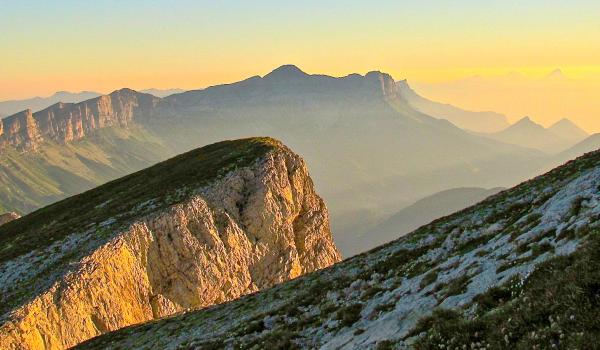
(250, 228)
(68, 122)
(8, 217)
(65, 122)
(20, 130)
(385, 84)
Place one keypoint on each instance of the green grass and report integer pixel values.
(189, 170)
(31, 180)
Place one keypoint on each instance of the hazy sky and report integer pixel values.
(47, 46)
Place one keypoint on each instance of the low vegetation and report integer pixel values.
(555, 307)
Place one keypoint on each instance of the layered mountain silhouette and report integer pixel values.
(367, 147)
(37, 103)
(422, 212)
(568, 130)
(162, 92)
(591, 143)
(554, 139)
(469, 120)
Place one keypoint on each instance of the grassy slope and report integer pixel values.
(34, 179)
(117, 198)
(423, 269)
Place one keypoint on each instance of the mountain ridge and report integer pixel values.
(481, 121)
(66, 122)
(342, 126)
(38, 103)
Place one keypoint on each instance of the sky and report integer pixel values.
(48, 46)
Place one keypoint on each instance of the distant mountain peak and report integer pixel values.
(557, 73)
(286, 72)
(124, 91)
(565, 122)
(527, 121)
(567, 129)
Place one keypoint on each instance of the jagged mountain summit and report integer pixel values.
(474, 121)
(202, 228)
(518, 270)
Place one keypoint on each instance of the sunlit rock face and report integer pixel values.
(66, 122)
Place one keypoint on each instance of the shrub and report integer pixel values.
(348, 315)
(429, 279)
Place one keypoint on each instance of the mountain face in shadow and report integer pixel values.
(366, 146)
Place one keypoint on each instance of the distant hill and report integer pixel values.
(37, 103)
(162, 92)
(469, 120)
(591, 143)
(528, 133)
(568, 130)
(426, 210)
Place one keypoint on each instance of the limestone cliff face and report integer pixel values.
(20, 130)
(250, 229)
(386, 85)
(65, 122)
(8, 217)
